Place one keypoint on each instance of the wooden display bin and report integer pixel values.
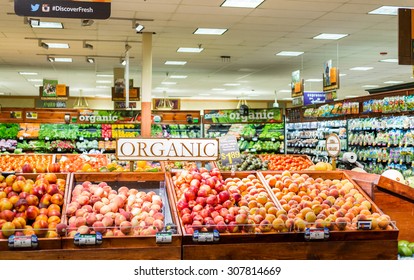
(127, 247)
(8, 161)
(44, 244)
(349, 244)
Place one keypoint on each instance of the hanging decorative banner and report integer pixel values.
(85, 9)
(331, 96)
(297, 84)
(330, 77)
(119, 105)
(50, 104)
(310, 98)
(297, 101)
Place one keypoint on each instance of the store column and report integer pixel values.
(146, 84)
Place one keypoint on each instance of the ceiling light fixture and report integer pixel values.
(90, 60)
(50, 59)
(313, 80)
(210, 31)
(178, 77)
(59, 59)
(53, 45)
(122, 61)
(190, 50)
(172, 62)
(387, 10)
(36, 23)
(28, 73)
(87, 46)
(242, 3)
(361, 68)
(389, 60)
(370, 86)
(138, 27)
(393, 82)
(86, 22)
(289, 53)
(329, 36)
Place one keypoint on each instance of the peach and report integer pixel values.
(83, 229)
(98, 226)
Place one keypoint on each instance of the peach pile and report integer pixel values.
(309, 202)
(205, 202)
(30, 207)
(97, 207)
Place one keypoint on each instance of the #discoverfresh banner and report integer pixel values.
(85, 9)
(234, 116)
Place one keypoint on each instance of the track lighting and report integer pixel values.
(50, 59)
(87, 22)
(138, 27)
(90, 60)
(43, 44)
(87, 45)
(122, 61)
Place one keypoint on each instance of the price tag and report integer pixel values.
(3, 149)
(23, 241)
(273, 139)
(229, 151)
(253, 150)
(87, 239)
(106, 138)
(21, 138)
(163, 237)
(316, 233)
(59, 149)
(364, 224)
(47, 138)
(254, 139)
(206, 236)
(241, 138)
(81, 138)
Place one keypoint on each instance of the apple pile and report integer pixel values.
(205, 202)
(30, 207)
(97, 207)
(309, 202)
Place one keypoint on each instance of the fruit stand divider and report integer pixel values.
(137, 247)
(44, 243)
(347, 244)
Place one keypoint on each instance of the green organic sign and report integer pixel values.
(108, 116)
(233, 116)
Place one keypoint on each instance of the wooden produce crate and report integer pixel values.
(139, 246)
(397, 200)
(176, 166)
(44, 243)
(15, 162)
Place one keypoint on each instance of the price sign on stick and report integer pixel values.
(229, 151)
(333, 147)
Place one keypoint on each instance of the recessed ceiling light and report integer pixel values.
(104, 75)
(232, 85)
(242, 3)
(313, 80)
(204, 94)
(102, 87)
(160, 88)
(361, 68)
(218, 89)
(57, 45)
(369, 86)
(289, 53)
(342, 75)
(351, 96)
(169, 83)
(45, 24)
(103, 82)
(284, 90)
(63, 59)
(171, 62)
(34, 80)
(389, 60)
(387, 10)
(330, 36)
(190, 50)
(393, 82)
(210, 31)
(178, 77)
(28, 73)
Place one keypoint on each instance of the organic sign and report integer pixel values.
(229, 151)
(85, 9)
(234, 116)
(102, 116)
(167, 149)
(333, 145)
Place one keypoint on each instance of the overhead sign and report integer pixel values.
(86, 9)
(167, 149)
(333, 145)
(297, 84)
(330, 77)
(310, 98)
(234, 116)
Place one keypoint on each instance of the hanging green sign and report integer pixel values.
(233, 116)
